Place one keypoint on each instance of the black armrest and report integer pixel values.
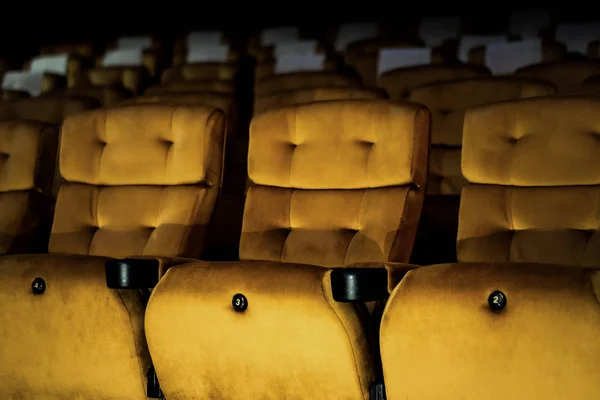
(359, 284)
(132, 273)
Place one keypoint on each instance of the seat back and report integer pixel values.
(196, 71)
(568, 76)
(107, 96)
(199, 85)
(211, 99)
(302, 80)
(72, 70)
(225, 226)
(534, 172)
(27, 165)
(222, 101)
(140, 180)
(448, 102)
(400, 82)
(134, 79)
(50, 109)
(302, 96)
(335, 183)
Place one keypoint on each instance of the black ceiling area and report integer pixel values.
(98, 22)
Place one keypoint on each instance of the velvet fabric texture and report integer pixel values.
(335, 183)
(140, 180)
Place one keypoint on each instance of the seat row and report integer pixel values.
(131, 64)
(446, 90)
(122, 308)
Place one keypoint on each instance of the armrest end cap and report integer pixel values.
(359, 284)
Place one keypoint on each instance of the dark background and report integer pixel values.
(27, 26)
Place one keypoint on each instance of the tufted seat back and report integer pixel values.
(140, 180)
(534, 182)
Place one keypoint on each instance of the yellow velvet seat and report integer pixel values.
(336, 183)
(75, 63)
(400, 82)
(301, 96)
(50, 108)
(215, 99)
(223, 101)
(448, 102)
(134, 79)
(26, 180)
(140, 181)
(106, 95)
(200, 71)
(192, 86)
(224, 232)
(302, 80)
(568, 76)
(311, 95)
(519, 315)
(81, 57)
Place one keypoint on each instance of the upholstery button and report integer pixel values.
(239, 302)
(497, 301)
(38, 286)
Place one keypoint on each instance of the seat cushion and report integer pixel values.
(203, 349)
(60, 357)
(441, 340)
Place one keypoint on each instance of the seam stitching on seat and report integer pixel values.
(287, 235)
(191, 217)
(295, 142)
(368, 163)
(596, 224)
(197, 201)
(95, 199)
(171, 123)
(396, 245)
(134, 341)
(511, 221)
(399, 232)
(360, 217)
(161, 202)
(360, 382)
